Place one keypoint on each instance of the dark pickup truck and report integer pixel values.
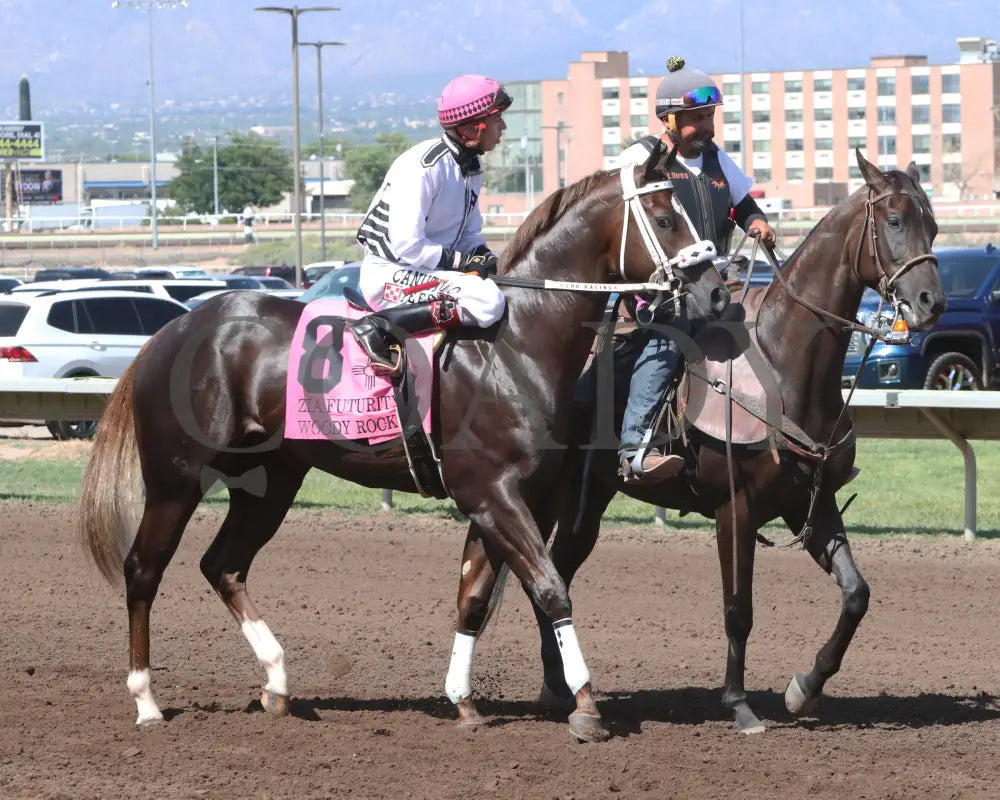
(962, 351)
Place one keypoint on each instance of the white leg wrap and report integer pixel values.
(575, 670)
(458, 684)
(140, 686)
(269, 653)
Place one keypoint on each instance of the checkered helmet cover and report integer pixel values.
(468, 98)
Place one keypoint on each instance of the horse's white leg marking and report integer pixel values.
(140, 686)
(574, 668)
(269, 653)
(458, 684)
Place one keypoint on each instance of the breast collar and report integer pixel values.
(468, 160)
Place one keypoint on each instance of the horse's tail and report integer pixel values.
(496, 597)
(111, 496)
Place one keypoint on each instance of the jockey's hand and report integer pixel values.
(483, 263)
(766, 233)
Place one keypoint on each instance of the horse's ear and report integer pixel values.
(873, 175)
(650, 172)
(913, 172)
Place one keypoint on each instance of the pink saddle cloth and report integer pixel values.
(358, 404)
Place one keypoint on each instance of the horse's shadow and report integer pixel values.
(625, 712)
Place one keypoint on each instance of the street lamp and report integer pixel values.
(148, 6)
(215, 171)
(294, 13)
(322, 181)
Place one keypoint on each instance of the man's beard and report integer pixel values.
(701, 144)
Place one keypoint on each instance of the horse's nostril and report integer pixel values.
(925, 299)
(720, 299)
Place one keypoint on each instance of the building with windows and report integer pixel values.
(799, 128)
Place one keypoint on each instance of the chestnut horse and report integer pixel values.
(205, 399)
(880, 237)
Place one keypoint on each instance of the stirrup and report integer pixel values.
(384, 368)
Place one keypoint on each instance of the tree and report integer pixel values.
(251, 171)
(366, 165)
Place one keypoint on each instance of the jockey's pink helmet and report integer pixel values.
(469, 98)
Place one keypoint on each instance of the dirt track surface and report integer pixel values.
(364, 610)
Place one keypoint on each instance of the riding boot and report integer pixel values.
(381, 334)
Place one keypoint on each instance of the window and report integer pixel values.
(855, 142)
(922, 143)
(822, 84)
(731, 117)
(856, 112)
(950, 84)
(951, 112)
(823, 114)
(11, 317)
(824, 173)
(762, 145)
(733, 147)
(761, 116)
(560, 96)
(640, 120)
(154, 314)
(762, 176)
(793, 86)
(886, 145)
(855, 85)
(793, 144)
(920, 84)
(952, 173)
(61, 316)
(921, 114)
(112, 315)
(793, 115)
(611, 122)
(824, 144)
(951, 143)
(886, 86)
(731, 87)
(853, 171)
(609, 93)
(611, 149)
(760, 87)
(925, 172)
(638, 91)
(794, 174)
(886, 115)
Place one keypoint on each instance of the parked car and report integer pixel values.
(69, 273)
(333, 281)
(240, 282)
(178, 289)
(270, 282)
(270, 271)
(183, 273)
(962, 351)
(313, 272)
(75, 334)
(197, 300)
(6, 283)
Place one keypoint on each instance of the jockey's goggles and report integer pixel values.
(705, 96)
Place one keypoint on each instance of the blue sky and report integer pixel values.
(74, 49)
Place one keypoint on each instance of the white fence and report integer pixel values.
(877, 413)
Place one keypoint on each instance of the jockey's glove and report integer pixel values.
(483, 263)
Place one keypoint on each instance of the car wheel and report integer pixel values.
(953, 372)
(64, 430)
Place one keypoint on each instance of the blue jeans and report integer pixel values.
(650, 379)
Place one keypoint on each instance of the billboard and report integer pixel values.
(24, 141)
(40, 186)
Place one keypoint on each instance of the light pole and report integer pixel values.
(148, 6)
(322, 181)
(294, 13)
(215, 173)
(743, 147)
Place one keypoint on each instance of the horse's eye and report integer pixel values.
(665, 222)
(893, 221)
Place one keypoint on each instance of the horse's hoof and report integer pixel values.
(796, 700)
(274, 703)
(550, 700)
(149, 720)
(468, 714)
(587, 727)
(746, 721)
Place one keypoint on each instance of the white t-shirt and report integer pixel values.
(739, 184)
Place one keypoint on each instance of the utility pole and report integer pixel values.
(215, 173)
(322, 179)
(294, 12)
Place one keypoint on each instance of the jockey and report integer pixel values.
(426, 265)
(714, 193)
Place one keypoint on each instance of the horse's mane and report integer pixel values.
(547, 214)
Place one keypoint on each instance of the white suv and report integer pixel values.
(179, 290)
(74, 334)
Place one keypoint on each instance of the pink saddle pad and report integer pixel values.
(359, 404)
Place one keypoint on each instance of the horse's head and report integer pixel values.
(661, 242)
(894, 250)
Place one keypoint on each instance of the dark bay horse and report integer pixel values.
(205, 399)
(879, 237)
